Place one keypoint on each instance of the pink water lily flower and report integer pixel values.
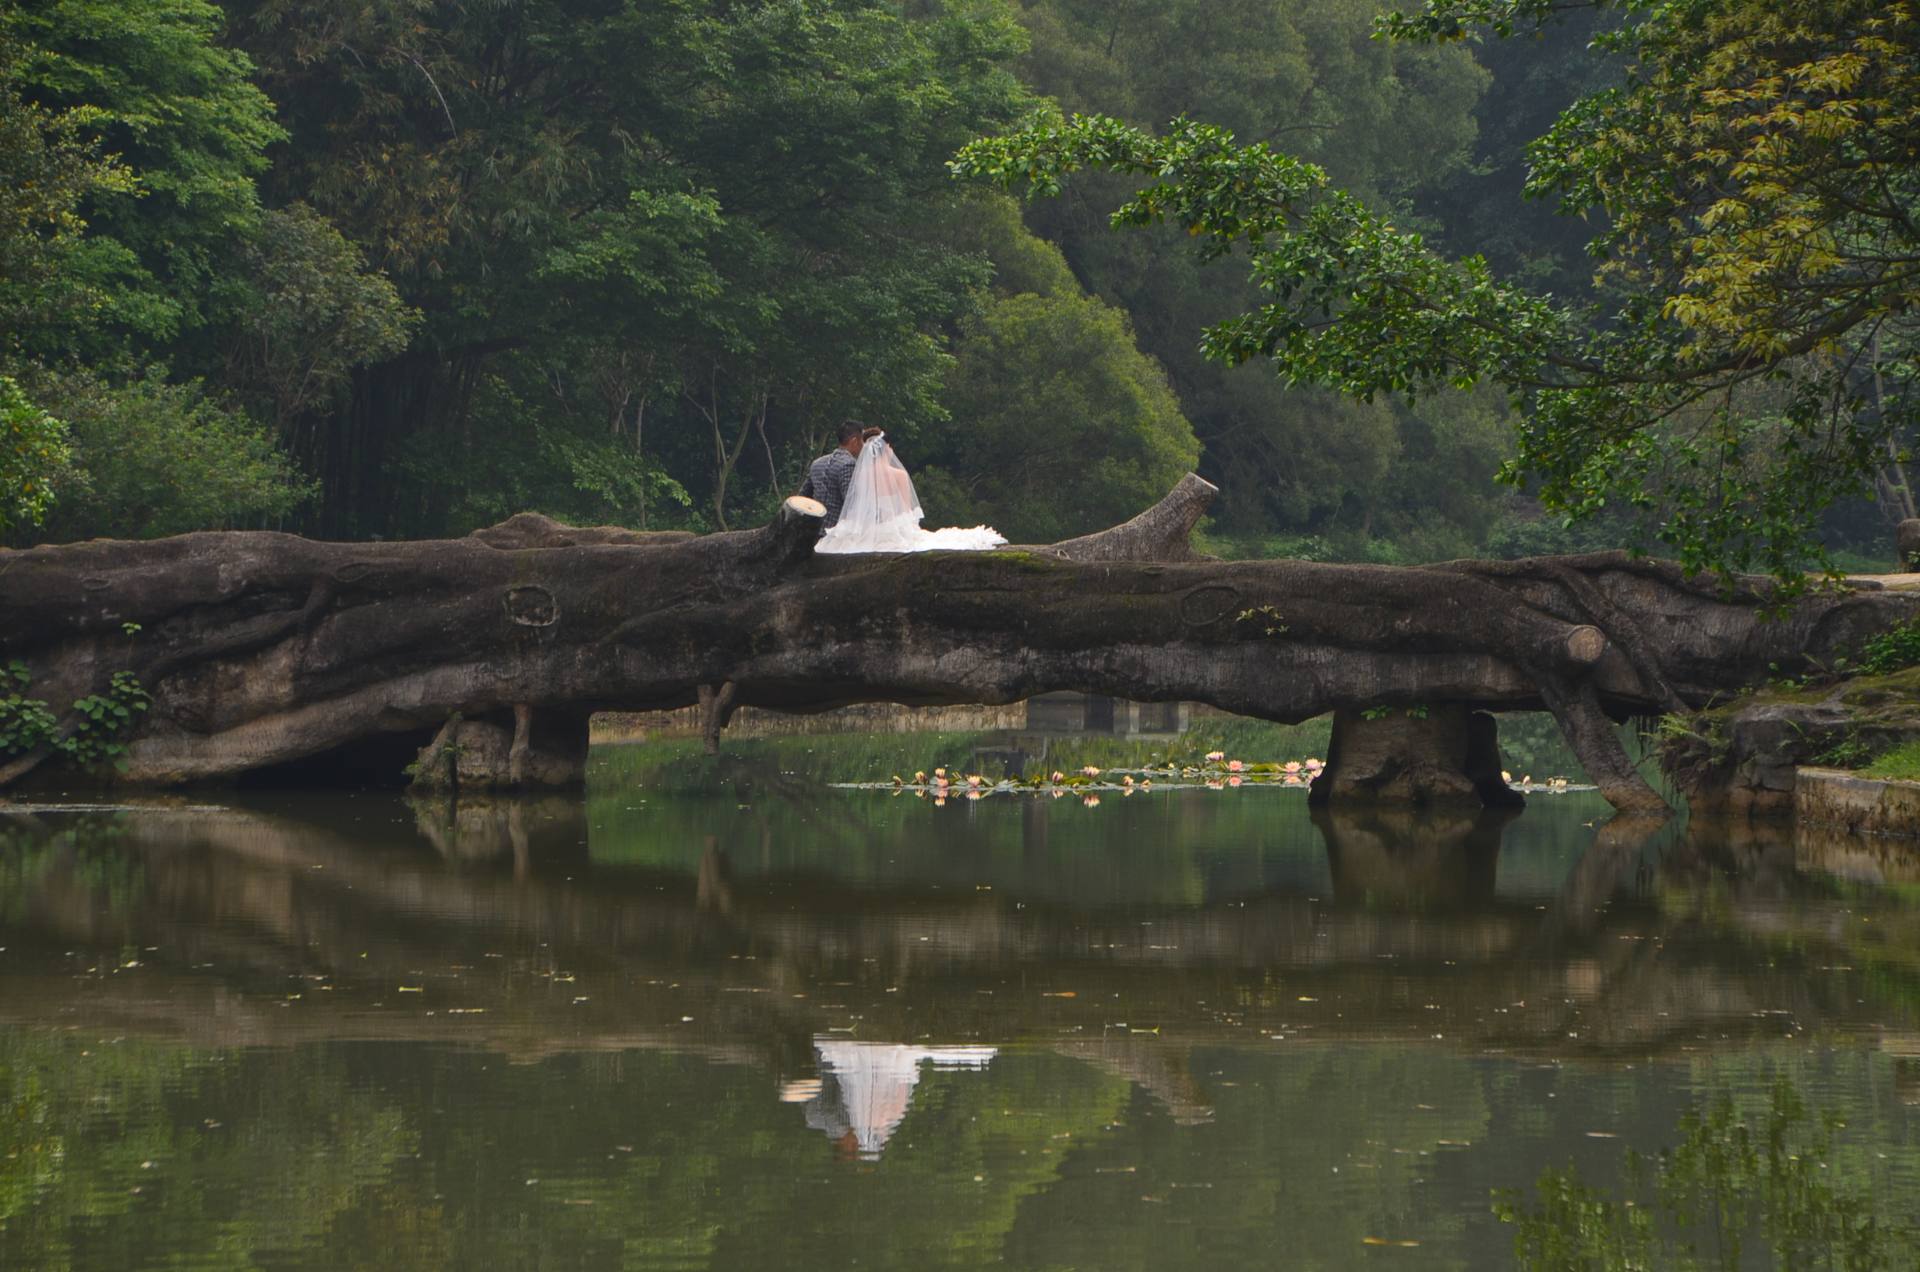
(1214, 757)
(1236, 766)
(1091, 770)
(1291, 766)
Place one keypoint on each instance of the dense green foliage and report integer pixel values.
(411, 267)
(1890, 651)
(33, 453)
(1739, 1180)
(1302, 472)
(1754, 184)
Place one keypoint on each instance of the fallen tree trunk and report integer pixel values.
(259, 649)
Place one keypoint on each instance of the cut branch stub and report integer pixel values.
(1586, 645)
(1161, 533)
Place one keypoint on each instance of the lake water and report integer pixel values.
(725, 1015)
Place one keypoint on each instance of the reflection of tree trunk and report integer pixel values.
(1615, 855)
(1407, 858)
(1034, 823)
(713, 891)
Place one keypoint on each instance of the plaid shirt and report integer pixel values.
(827, 480)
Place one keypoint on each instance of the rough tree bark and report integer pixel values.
(261, 649)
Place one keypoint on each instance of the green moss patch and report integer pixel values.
(1902, 764)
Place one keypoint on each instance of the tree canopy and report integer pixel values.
(1754, 179)
(425, 265)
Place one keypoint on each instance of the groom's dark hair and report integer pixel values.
(850, 429)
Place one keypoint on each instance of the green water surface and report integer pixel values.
(720, 1014)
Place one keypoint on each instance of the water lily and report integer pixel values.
(1058, 776)
(1505, 776)
(973, 779)
(940, 773)
(1292, 767)
(920, 775)
(1236, 766)
(1091, 770)
(1126, 781)
(1214, 757)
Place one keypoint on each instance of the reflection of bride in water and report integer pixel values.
(882, 512)
(867, 1086)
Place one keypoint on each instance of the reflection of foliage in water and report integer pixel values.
(1289, 1160)
(1175, 847)
(88, 847)
(133, 1155)
(1826, 922)
(1530, 742)
(113, 1150)
(1162, 846)
(1729, 1183)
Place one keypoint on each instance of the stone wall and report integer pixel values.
(1858, 805)
(755, 722)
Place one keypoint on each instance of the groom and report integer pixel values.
(827, 476)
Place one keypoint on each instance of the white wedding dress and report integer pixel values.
(882, 513)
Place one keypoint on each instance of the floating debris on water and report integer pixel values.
(1216, 772)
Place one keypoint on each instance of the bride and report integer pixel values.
(882, 514)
